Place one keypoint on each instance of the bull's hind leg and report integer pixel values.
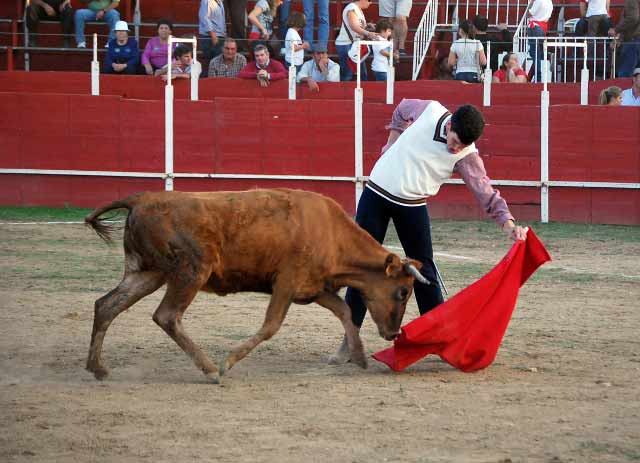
(133, 287)
(352, 348)
(278, 306)
(169, 318)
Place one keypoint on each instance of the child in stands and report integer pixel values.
(382, 51)
(295, 24)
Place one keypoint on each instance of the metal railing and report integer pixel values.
(423, 36)
(469, 8)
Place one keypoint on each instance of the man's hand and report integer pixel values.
(263, 74)
(100, 14)
(323, 65)
(515, 232)
(63, 5)
(612, 32)
(313, 85)
(263, 83)
(50, 11)
(118, 67)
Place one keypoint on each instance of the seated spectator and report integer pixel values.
(510, 71)
(50, 9)
(319, 69)
(263, 69)
(382, 51)
(467, 54)
(181, 65)
(611, 96)
(212, 27)
(631, 96)
(296, 24)
(399, 10)
(261, 20)
(229, 63)
(98, 10)
(501, 40)
(122, 55)
(444, 71)
(155, 53)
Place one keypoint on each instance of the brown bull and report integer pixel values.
(298, 246)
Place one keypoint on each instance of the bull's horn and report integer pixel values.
(417, 275)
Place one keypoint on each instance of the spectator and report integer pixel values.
(263, 69)
(539, 14)
(629, 30)
(229, 63)
(122, 55)
(283, 18)
(399, 10)
(98, 10)
(596, 13)
(323, 20)
(156, 51)
(319, 69)
(382, 51)
(444, 71)
(501, 40)
(631, 96)
(611, 96)
(353, 27)
(467, 55)
(50, 9)
(181, 65)
(510, 71)
(261, 19)
(295, 23)
(212, 28)
(237, 12)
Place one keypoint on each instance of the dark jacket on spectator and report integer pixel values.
(275, 69)
(122, 54)
(629, 25)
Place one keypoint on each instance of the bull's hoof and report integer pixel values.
(100, 373)
(224, 366)
(213, 377)
(342, 355)
(359, 359)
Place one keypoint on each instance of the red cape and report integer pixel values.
(466, 331)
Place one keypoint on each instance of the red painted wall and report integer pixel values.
(309, 136)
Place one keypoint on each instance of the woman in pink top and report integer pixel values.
(155, 53)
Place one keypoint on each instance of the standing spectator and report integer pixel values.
(467, 55)
(263, 69)
(212, 28)
(629, 30)
(97, 10)
(382, 51)
(296, 23)
(156, 51)
(237, 11)
(50, 9)
(501, 40)
(229, 63)
(353, 27)
(283, 18)
(611, 96)
(261, 19)
(539, 14)
(319, 69)
(122, 55)
(631, 96)
(323, 20)
(181, 65)
(399, 10)
(510, 71)
(596, 13)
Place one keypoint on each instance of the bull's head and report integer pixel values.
(387, 293)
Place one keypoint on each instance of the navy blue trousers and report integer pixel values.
(414, 231)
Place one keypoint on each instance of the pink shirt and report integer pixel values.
(155, 53)
(471, 168)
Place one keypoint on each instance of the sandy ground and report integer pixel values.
(564, 387)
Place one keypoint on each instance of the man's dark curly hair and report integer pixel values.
(468, 123)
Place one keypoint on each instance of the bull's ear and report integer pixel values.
(393, 266)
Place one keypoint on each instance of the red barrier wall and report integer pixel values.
(303, 137)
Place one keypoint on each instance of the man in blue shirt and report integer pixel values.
(319, 69)
(212, 27)
(122, 54)
(631, 96)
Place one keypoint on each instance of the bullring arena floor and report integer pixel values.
(564, 387)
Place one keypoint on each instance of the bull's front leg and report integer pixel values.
(352, 340)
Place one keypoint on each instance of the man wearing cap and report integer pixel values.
(319, 69)
(122, 55)
(97, 10)
(426, 145)
(631, 96)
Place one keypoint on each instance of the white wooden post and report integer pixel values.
(196, 70)
(292, 74)
(544, 145)
(358, 101)
(486, 97)
(584, 78)
(168, 122)
(391, 75)
(95, 68)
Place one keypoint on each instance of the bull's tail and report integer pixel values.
(103, 227)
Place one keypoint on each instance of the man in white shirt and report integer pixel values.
(539, 14)
(319, 69)
(596, 13)
(631, 96)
